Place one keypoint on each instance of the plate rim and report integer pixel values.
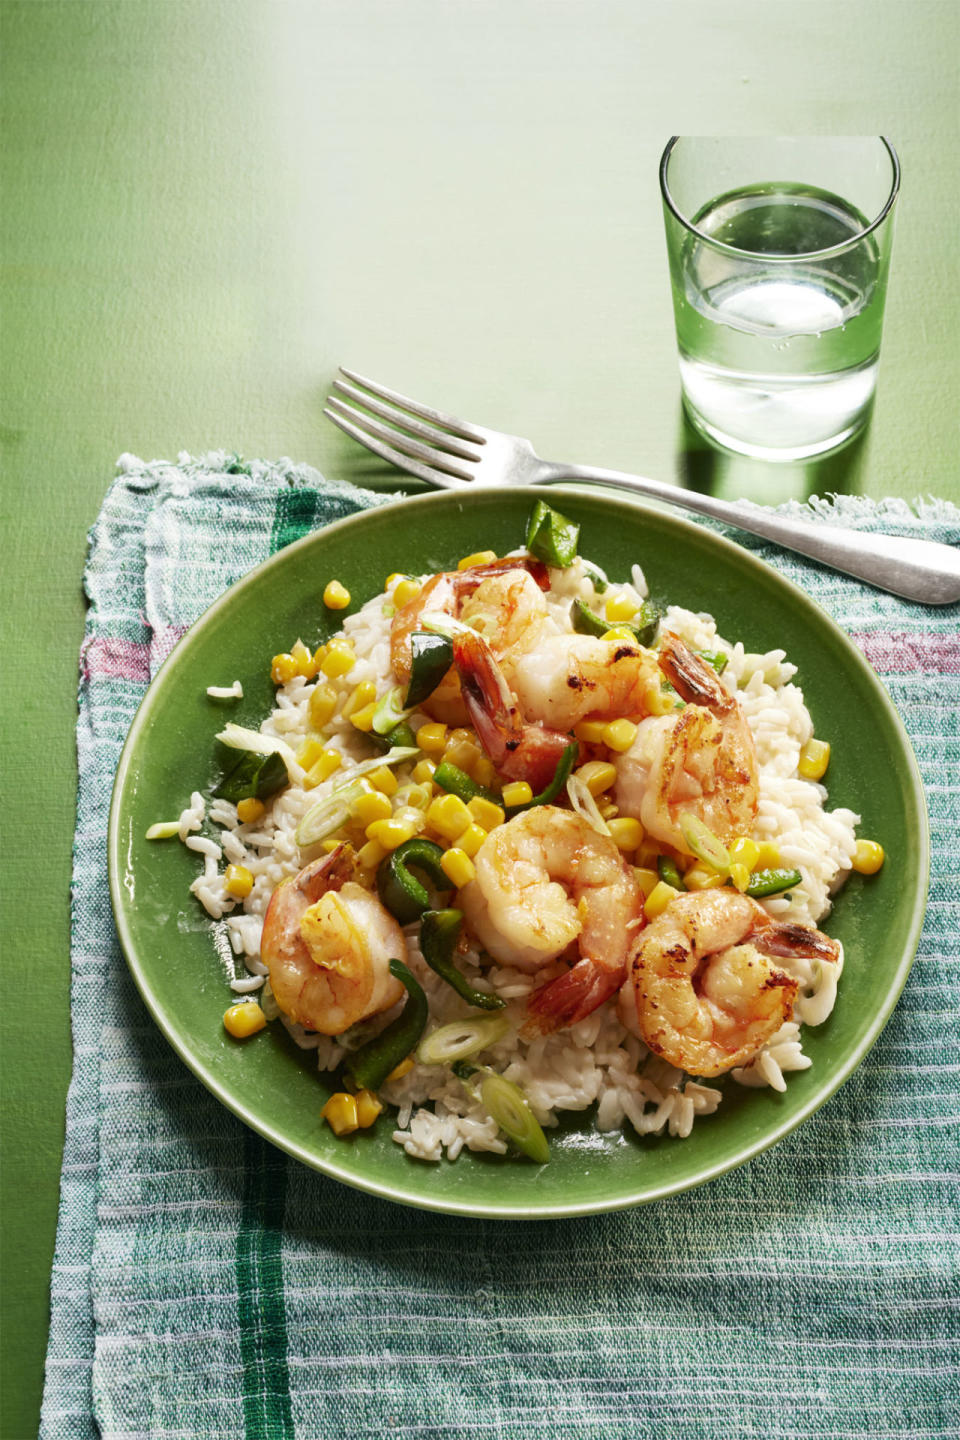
(398, 1193)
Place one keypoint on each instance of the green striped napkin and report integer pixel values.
(206, 1285)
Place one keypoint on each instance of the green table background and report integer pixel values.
(208, 206)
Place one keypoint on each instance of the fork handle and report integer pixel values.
(922, 570)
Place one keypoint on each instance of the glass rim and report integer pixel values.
(779, 256)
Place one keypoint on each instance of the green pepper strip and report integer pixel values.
(772, 882)
(560, 777)
(368, 1067)
(400, 735)
(669, 872)
(587, 622)
(402, 893)
(431, 658)
(457, 782)
(439, 933)
(551, 536)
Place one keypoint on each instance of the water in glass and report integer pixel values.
(779, 357)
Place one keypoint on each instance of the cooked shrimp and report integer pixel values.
(706, 993)
(549, 886)
(327, 943)
(565, 678)
(446, 593)
(701, 761)
(518, 750)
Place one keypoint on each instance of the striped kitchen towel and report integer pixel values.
(205, 1285)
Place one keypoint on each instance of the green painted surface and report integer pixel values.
(208, 206)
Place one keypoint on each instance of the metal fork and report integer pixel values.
(455, 454)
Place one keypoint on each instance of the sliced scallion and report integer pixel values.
(461, 1039)
(328, 815)
(163, 830)
(508, 1105)
(388, 712)
(704, 844)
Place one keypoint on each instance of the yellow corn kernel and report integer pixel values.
(485, 812)
(620, 607)
(360, 696)
(363, 719)
(406, 591)
(482, 557)
(518, 792)
(339, 660)
(309, 753)
(647, 854)
(340, 1113)
(394, 579)
(432, 738)
(411, 814)
(620, 632)
(702, 877)
(332, 844)
(607, 809)
(768, 856)
(448, 816)
(471, 839)
(384, 780)
(597, 775)
(590, 731)
(740, 875)
(423, 771)
(625, 832)
(484, 773)
(250, 810)
(304, 659)
(283, 667)
(370, 855)
(322, 769)
(868, 857)
(244, 1019)
(368, 1108)
(657, 701)
(463, 753)
(237, 881)
(648, 880)
(658, 899)
(391, 833)
(814, 759)
(336, 596)
(321, 705)
(371, 806)
(458, 867)
(398, 1071)
(744, 851)
(619, 735)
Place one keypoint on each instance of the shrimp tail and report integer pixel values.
(571, 997)
(518, 750)
(784, 940)
(694, 680)
(330, 872)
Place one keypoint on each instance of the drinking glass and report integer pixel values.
(779, 253)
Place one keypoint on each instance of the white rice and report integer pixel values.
(598, 1061)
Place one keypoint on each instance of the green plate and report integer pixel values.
(271, 1085)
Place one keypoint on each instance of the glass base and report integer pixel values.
(737, 445)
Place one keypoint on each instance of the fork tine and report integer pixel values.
(387, 452)
(439, 417)
(441, 439)
(403, 443)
